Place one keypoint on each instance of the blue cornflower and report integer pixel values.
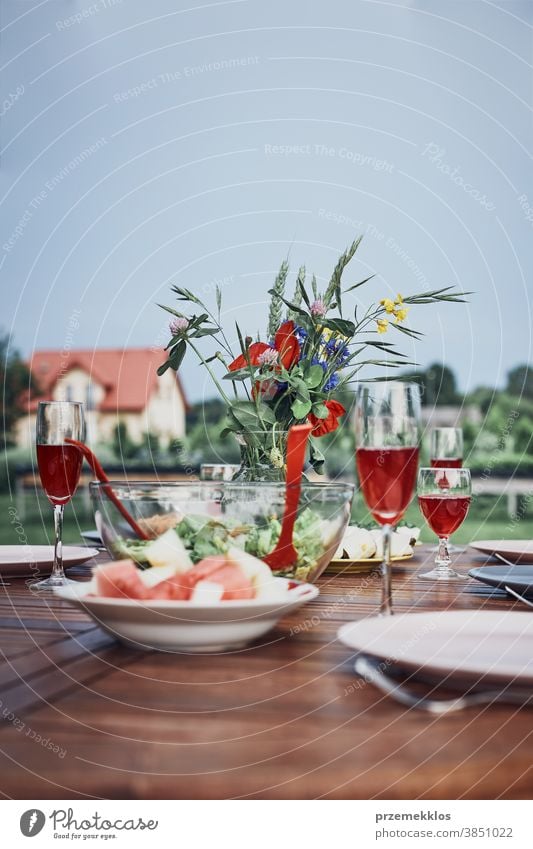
(300, 333)
(315, 361)
(343, 353)
(331, 347)
(331, 383)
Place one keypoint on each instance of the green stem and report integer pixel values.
(210, 372)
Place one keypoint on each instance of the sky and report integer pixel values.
(198, 143)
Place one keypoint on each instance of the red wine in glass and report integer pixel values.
(444, 514)
(387, 478)
(446, 463)
(59, 468)
(444, 496)
(387, 415)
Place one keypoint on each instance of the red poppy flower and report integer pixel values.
(323, 426)
(285, 343)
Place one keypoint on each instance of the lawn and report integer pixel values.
(487, 519)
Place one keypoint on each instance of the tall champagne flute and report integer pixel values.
(444, 496)
(446, 449)
(59, 468)
(386, 430)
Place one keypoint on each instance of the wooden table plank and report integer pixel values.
(284, 718)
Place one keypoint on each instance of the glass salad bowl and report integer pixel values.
(209, 517)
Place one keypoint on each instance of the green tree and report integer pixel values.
(438, 384)
(520, 382)
(123, 447)
(151, 445)
(16, 382)
(523, 436)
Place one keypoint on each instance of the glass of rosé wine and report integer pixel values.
(59, 469)
(446, 448)
(444, 496)
(387, 417)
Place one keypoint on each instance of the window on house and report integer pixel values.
(89, 397)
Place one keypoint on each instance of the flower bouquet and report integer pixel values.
(313, 352)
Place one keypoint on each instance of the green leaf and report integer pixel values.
(314, 376)
(340, 325)
(415, 334)
(205, 331)
(299, 386)
(356, 285)
(291, 305)
(186, 295)
(173, 312)
(239, 374)
(316, 457)
(175, 358)
(251, 415)
(300, 409)
(320, 411)
(303, 293)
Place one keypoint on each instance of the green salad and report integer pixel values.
(202, 536)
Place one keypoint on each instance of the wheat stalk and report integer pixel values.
(276, 304)
(334, 285)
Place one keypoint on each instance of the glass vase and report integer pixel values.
(263, 454)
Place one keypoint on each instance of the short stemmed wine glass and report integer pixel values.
(59, 468)
(446, 449)
(387, 422)
(444, 497)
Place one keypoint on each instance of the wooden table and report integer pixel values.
(285, 718)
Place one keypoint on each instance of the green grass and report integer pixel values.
(487, 519)
(34, 525)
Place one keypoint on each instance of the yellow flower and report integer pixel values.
(399, 299)
(388, 304)
(382, 324)
(401, 315)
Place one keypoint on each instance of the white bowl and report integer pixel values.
(184, 625)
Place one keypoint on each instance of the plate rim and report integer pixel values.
(397, 558)
(85, 553)
(483, 544)
(434, 665)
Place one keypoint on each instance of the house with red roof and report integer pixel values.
(116, 385)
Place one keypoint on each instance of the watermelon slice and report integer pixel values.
(218, 570)
(119, 579)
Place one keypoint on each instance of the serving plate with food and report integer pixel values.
(361, 549)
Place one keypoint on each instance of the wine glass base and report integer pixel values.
(443, 575)
(52, 582)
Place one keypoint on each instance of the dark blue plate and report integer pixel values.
(518, 578)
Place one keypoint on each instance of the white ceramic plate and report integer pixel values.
(34, 561)
(92, 536)
(468, 644)
(183, 625)
(516, 550)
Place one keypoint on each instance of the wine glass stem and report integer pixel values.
(386, 573)
(443, 559)
(57, 569)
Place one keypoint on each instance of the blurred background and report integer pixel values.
(200, 144)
